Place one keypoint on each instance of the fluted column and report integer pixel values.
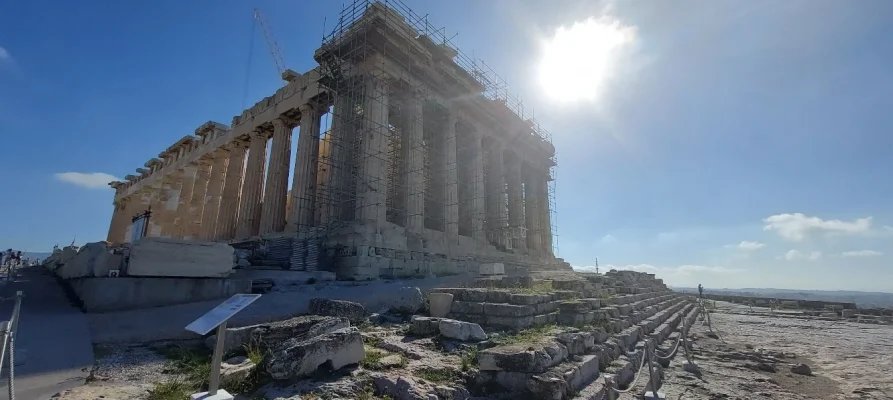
(413, 152)
(451, 177)
(276, 190)
(249, 207)
(333, 162)
(371, 185)
(181, 217)
(478, 199)
(167, 205)
(120, 220)
(516, 201)
(532, 210)
(303, 187)
(155, 203)
(496, 202)
(213, 194)
(229, 202)
(545, 215)
(197, 201)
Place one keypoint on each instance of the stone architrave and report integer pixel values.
(412, 148)
(451, 168)
(303, 187)
(229, 201)
(249, 207)
(213, 194)
(371, 185)
(197, 201)
(276, 190)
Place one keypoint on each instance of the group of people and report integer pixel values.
(12, 258)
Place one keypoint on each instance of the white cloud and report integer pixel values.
(746, 245)
(797, 226)
(89, 180)
(609, 238)
(861, 253)
(797, 255)
(4, 55)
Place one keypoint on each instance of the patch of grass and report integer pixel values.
(373, 341)
(368, 393)
(373, 358)
(604, 326)
(530, 335)
(173, 389)
(437, 375)
(469, 358)
(543, 287)
(254, 353)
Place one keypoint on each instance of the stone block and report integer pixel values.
(407, 300)
(527, 299)
(461, 330)
(479, 319)
(162, 257)
(524, 357)
(492, 269)
(235, 370)
(575, 319)
(498, 296)
(299, 358)
(508, 310)
(467, 307)
(509, 322)
(582, 374)
(440, 304)
(354, 312)
(424, 326)
(573, 306)
(545, 308)
(547, 386)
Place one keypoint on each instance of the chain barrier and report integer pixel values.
(8, 330)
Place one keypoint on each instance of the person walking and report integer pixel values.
(700, 291)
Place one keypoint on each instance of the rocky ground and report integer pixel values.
(756, 354)
(755, 351)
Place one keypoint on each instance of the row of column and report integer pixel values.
(224, 195)
(497, 194)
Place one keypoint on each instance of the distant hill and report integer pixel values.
(862, 299)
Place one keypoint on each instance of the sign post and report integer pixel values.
(216, 318)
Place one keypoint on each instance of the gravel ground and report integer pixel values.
(754, 356)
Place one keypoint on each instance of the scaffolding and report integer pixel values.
(385, 155)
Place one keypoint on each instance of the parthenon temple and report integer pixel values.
(412, 159)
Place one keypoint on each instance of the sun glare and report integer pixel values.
(578, 60)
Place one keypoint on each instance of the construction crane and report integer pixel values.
(285, 73)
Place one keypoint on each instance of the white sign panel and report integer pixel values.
(223, 312)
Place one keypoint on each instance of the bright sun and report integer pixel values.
(577, 60)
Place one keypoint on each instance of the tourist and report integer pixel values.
(700, 291)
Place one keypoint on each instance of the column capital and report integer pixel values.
(284, 121)
(310, 110)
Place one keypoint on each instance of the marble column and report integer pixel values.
(229, 202)
(120, 220)
(532, 210)
(333, 162)
(545, 215)
(451, 177)
(413, 151)
(478, 195)
(249, 207)
(181, 217)
(197, 200)
(213, 193)
(272, 217)
(516, 201)
(371, 185)
(303, 187)
(164, 214)
(154, 203)
(496, 202)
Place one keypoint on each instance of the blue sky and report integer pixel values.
(729, 143)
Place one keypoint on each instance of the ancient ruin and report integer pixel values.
(426, 165)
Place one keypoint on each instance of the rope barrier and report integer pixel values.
(635, 380)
